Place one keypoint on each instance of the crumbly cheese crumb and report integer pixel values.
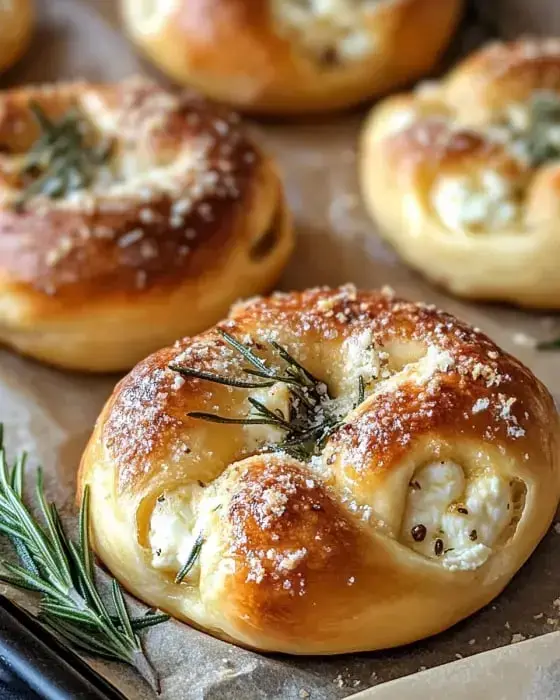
(480, 405)
(435, 360)
(361, 360)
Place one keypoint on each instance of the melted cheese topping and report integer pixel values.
(453, 519)
(487, 201)
(330, 29)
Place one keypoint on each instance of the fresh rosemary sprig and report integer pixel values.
(539, 138)
(311, 419)
(62, 572)
(60, 161)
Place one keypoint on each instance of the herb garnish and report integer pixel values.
(60, 161)
(312, 418)
(540, 137)
(62, 572)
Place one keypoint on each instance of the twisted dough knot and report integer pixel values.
(121, 205)
(463, 175)
(423, 432)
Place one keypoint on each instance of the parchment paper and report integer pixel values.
(50, 413)
(526, 671)
(514, 17)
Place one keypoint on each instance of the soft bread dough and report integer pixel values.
(446, 175)
(16, 23)
(187, 215)
(327, 555)
(288, 56)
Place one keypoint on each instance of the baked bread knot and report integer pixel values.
(16, 23)
(323, 472)
(292, 56)
(129, 216)
(463, 176)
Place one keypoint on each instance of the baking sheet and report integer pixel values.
(50, 413)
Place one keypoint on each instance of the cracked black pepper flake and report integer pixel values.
(473, 535)
(418, 533)
(462, 510)
(438, 547)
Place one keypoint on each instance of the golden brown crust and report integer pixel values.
(16, 25)
(287, 595)
(190, 196)
(285, 539)
(502, 73)
(279, 58)
(448, 174)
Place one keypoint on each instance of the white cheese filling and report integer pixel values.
(485, 202)
(174, 530)
(276, 399)
(324, 27)
(454, 519)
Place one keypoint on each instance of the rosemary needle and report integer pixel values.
(62, 572)
(193, 555)
(312, 415)
(553, 344)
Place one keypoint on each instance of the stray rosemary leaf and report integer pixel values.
(62, 572)
(361, 391)
(194, 553)
(312, 418)
(553, 344)
(60, 161)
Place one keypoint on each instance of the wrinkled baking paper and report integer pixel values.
(51, 413)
